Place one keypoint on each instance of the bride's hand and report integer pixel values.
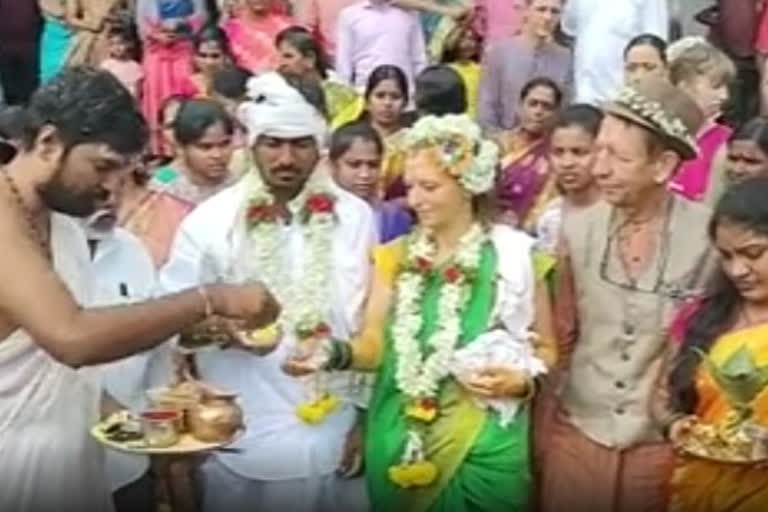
(499, 383)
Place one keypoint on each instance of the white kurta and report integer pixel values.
(124, 273)
(210, 242)
(49, 461)
(602, 29)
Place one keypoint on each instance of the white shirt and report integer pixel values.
(602, 29)
(124, 273)
(276, 444)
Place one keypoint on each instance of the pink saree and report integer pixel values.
(694, 178)
(252, 39)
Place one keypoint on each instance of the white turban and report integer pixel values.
(277, 109)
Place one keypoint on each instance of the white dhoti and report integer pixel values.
(226, 491)
(49, 461)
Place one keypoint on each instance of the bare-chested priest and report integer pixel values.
(82, 132)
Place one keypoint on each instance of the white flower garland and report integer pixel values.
(417, 376)
(304, 299)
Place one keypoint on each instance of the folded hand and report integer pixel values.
(498, 383)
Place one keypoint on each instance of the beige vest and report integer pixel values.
(623, 330)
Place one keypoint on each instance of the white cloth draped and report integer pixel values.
(49, 461)
(209, 244)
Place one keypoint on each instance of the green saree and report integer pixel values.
(482, 466)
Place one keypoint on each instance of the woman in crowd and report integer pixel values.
(572, 155)
(747, 155)
(703, 72)
(356, 151)
(524, 183)
(645, 55)
(252, 29)
(386, 97)
(732, 318)
(75, 32)
(463, 52)
(202, 134)
(211, 48)
(433, 440)
(166, 27)
(300, 53)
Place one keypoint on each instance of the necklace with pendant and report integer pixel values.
(35, 232)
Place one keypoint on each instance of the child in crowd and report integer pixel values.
(356, 155)
(572, 155)
(211, 55)
(122, 61)
(463, 52)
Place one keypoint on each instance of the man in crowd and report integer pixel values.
(82, 134)
(375, 32)
(627, 264)
(512, 62)
(287, 224)
(124, 274)
(602, 30)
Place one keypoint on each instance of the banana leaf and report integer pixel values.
(739, 377)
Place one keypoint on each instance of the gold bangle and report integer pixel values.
(208, 304)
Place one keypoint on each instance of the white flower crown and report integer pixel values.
(464, 153)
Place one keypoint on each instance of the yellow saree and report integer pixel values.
(703, 486)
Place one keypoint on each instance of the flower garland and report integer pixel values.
(303, 300)
(417, 376)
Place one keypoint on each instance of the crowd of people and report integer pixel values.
(450, 256)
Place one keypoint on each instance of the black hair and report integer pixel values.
(231, 81)
(211, 33)
(440, 91)
(343, 138)
(583, 115)
(310, 90)
(86, 105)
(127, 32)
(173, 98)
(12, 120)
(387, 72)
(755, 130)
(652, 40)
(542, 81)
(742, 204)
(302, 40)
(196, 116)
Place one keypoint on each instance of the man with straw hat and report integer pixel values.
(626, 265)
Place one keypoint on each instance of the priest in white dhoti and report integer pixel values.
(81, 131)
(286, 224)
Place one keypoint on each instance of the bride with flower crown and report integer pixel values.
(457, 330)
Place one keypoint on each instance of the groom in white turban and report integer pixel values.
(289, 226)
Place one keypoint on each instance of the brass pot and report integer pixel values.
(215, 419)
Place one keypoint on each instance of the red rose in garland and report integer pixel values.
(452, 274)
(320, 203)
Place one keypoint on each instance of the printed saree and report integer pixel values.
(481, 465)
(524, 185)
(702, 486)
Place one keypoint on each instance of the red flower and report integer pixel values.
(452, 274)
(322, 330)
(428, 404)
(261, 212)
(423, 265)
(320, 203)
